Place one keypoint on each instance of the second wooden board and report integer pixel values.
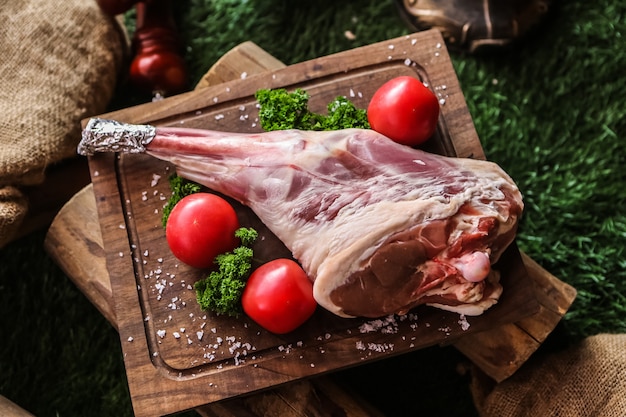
(179, 357)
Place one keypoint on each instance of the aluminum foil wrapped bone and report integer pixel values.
(102, 135)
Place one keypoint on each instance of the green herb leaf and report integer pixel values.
(281, 110)
(221, 291)
(180, 188)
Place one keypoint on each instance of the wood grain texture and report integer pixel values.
(245, 60)
(74, 241)
(455, 124)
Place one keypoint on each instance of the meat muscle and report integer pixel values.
(379, 227)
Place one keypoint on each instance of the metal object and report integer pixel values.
(102, 135)
(473, 25)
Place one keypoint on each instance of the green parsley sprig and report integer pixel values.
(221, 291)
(281, 110)
(180, 188)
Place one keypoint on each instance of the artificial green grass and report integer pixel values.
(549, 110)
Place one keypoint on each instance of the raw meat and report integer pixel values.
(379, 227)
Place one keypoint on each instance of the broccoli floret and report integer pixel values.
(221, 291)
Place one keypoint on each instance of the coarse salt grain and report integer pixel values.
(161, 333)
(463, 322)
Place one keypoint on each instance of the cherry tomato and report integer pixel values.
(200, 227)
(279, 296)
(404, 110)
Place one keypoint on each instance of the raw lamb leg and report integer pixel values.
(379, 227)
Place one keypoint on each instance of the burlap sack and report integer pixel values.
(585, 380)
(59, 63)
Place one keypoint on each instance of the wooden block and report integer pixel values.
(75, 242)
(498, 352)
(244, 60)
(160, 365)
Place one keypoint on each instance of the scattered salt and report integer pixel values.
(463, 322)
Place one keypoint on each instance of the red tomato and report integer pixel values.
(404, 110)
(200, 227)
(279, 296)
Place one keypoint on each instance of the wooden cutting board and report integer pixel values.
(178, 357)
